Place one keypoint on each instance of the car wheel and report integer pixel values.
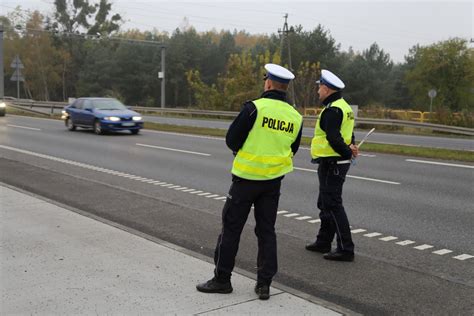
(134, 131)
(97, 127)
(69, 124)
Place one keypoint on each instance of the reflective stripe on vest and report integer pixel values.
(266, 153)
(319, 145)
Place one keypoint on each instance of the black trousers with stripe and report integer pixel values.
(264, 196)
(333, 215)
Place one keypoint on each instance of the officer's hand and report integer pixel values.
(355, 150)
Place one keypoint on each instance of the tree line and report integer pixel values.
(80, 50)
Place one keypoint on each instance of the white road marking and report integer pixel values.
(189, 190)
(388, 238)
(181, 188)
(304, 169)
(371, 179)
(184, 134)
(314, 221)
(354, 177)
(167, 185)
(423, 247)
(196, 192)
(204, 194)
(24, 127)
(212, 195)
(173, 149)
(405, 242)
(301, 218)
(365, 155)
(356, 231)
(442, 252)
(174, 187)
(221, 198)
(440, 163)
(464, 256)
(291, 215)
(282, 212)
(370, 235)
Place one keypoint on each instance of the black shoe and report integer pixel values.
(213, 286)
(263, 291)
(339, 256)
(318, 248)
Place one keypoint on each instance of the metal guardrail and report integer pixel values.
(360, 120)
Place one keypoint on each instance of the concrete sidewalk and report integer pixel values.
(55, 261)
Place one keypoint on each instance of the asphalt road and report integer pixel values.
(412, 218)
(384, 138)
(460, 143)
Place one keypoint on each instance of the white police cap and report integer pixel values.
(331, 80)
(278, 73)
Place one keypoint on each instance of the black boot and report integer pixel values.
(339, 256)
(318, 247)
(214, 286)
(263, 291)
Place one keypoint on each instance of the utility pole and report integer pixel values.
(284, 34)
(163, 73)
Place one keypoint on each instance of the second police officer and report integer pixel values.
(264, 138)
(333, 148)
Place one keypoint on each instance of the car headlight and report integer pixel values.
(137, 118)
(2, 104)
(112, 118)
(63, 112)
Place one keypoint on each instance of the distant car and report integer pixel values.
(101, 114)
(3, 108)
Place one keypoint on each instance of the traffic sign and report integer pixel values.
(16, 63)
(17, 76)
(432, 93)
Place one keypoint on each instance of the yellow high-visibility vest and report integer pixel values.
(266, 153)
(319, 145)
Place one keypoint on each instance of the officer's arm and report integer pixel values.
(241, 126)
(296, 143)
(331, 121)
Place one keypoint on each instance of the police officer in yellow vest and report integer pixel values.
(264, 137)
(332, 148)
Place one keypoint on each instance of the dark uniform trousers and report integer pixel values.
(333, 216)
(264, 196)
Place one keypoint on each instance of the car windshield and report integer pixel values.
(108, 104)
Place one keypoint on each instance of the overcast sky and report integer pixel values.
(395, 25)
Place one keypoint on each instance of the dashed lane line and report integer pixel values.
(222, 198)
(463, 257)
(442, 252)
(370, 235)
(405, 242)
(388, 238)
(173, 149)
(423, 247)
(24, 127)
(440, 163)
(353, 177)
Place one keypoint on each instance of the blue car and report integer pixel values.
(101, 114)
